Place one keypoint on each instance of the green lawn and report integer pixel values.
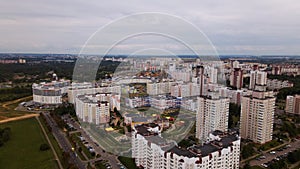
(128, 162)
(55, 144)
(22, 150)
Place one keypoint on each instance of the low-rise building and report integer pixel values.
(278, 84)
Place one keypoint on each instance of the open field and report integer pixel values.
(22, 150)
(7, 109)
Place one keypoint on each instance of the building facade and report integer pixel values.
(236, 78)
(257, 116)
(293, 104)
(50, 93)
(257, 78)
(212, 114)
(94, 109)
(151, 151)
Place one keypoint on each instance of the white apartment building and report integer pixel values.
(212, 114)
(91, 109)
(73, 92)
(189, 104)
(257, 115)
(159, 88)
(278, 84)
(181, 75)
(137, 102)
(50, 93)
(151, 151)
(163, 102)
(185, 90)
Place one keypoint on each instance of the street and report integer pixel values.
(98, 150)
(63, 141)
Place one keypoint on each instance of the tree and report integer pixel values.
(247, 151)
(44, 147)
(247, 166)
(234, 115)
(4, 135)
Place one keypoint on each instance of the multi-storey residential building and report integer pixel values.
(236, 78)
(93, 109)
(181, 90)
(257, 78)
(212, 114)
(200, 78)
(137, 102)
(278, 84)
(163, 102)
(181, 75)
(75, 91)
(151, 151)
(159, 88)
(257, 113)
(288, 69)
(185, 90)
(189, 103)
(293, 104)
(50, 93)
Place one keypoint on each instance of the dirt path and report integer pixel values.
(6, 111)
(19, 118)
(5, 105)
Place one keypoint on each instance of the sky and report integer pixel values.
(269, 27)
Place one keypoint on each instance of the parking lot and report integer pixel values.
(266, 158)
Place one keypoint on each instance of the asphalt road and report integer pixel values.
(114, 162)
(63, 141)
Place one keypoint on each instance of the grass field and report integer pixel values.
(128, 162)
(22, 150)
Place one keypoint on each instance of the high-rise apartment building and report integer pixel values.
(212, 114)
(236, 78)
(293, 104)
(93, 109)
(257, 78)
(257, 113)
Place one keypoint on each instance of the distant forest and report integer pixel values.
(35, 72)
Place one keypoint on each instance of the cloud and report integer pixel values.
(235, 27)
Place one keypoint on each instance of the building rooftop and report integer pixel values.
(145, 129)
(223, 140)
